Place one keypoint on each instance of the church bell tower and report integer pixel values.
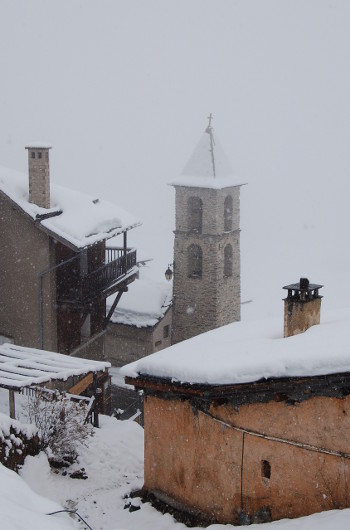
(206, 288)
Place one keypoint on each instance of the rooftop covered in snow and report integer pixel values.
(77, 219)
(22, 367)
(208, 166)
(246, 352)
(146, 303)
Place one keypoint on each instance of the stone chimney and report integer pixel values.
(302, 307)
(39, 174)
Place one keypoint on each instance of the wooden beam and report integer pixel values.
(12, 404)
(82, 385)
(114, 305)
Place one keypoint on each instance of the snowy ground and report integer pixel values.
(114, 465)
(113, 462)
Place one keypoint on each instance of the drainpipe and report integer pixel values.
(41, 275)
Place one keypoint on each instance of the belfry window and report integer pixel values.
(228, 212)
(228, 260)
(195, 214)
(194, 260)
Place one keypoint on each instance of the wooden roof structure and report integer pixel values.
(22, 367)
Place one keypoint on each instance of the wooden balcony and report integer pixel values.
(107, 279)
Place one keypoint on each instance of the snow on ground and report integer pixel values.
(113, 461)
(23, 509)
(114, 465)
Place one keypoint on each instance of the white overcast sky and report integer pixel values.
(122, 90)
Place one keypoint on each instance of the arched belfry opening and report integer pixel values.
(194, 261)
(206, 288)
(195, 214)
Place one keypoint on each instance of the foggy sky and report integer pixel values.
(122, 90)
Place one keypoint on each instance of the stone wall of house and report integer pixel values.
(25, 253)
(258, 462)
(212, 300)
(125, 344)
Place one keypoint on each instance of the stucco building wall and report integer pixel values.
(261, 461)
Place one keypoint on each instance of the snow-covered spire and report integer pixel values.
(208, 159)
(208, 166)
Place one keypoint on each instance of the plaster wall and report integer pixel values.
(25, 252)
(300, 316)
(215, 462)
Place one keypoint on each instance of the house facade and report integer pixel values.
(243, 425)
(142, 322)
(55, 269)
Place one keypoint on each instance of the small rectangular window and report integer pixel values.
(33, 154)
(39, 154)
(166, 332)
(265, 469)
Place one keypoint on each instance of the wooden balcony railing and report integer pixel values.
(94, 283)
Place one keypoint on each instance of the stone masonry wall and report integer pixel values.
(39, 176)
(21, 261)
(125, 344)
(202, 304)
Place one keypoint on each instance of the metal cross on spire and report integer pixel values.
(209, 130)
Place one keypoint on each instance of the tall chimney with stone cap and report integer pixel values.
(39, 174)
(302, 307)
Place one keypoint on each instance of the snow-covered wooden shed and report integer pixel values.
(22, 368)
(243, 425)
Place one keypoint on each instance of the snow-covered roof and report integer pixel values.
(145, 303)
(21, 367)
(199, 171)
(245, 352)
(79, 219)
(39, 144)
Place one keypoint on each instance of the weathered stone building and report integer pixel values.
(206, 289)
(243, 425)
(141, 324)
(55, 270)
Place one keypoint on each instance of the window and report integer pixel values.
(39, 154)
(265, 469)
(33, 154)
(195, 214)
(194, 260)
(85, 331)
(228, 261)
(228, 211)
(166, 332)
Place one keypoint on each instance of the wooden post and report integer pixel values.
(125, 252)
(12, 404)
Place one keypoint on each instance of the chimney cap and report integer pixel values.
(303, 285)
(38, 145)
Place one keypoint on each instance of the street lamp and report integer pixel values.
(169, 272)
